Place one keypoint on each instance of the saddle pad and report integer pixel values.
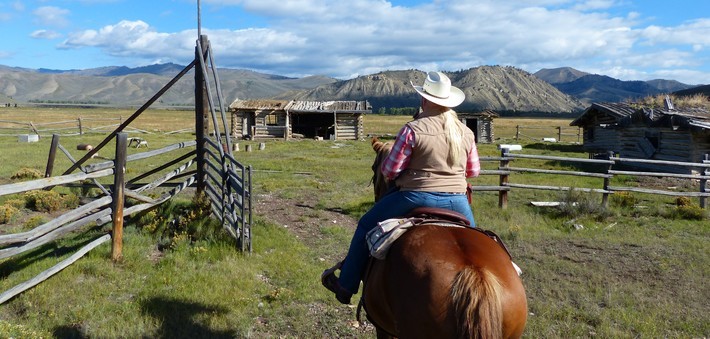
(381, 237)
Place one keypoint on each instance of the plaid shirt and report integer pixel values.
(401, 152)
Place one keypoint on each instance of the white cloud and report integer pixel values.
(45, 34)
(346, 38)
(51, 16)
(696, 32)
(137, 39)
(124, 38)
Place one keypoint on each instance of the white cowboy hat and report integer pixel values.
(437, 89)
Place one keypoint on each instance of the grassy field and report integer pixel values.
(621, 272)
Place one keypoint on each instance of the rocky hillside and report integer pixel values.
(123, 86)
(559, 75)
(503, 89)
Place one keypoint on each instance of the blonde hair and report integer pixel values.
(454, 137)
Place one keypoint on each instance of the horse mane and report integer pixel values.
(477, 304)
(380, 183)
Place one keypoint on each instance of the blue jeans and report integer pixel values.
(394, 204)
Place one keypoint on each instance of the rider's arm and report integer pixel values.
(398, 158)
(473, 163)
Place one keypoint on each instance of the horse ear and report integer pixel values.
(376, 144)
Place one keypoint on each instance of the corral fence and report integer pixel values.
(570, 134)
(78, 126)
(218, 175)
(700, 173)
(108, 207)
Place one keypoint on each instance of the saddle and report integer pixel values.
(454, 217)
(380, 238)
(439, 213)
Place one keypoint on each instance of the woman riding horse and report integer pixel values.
(430, 160)
(436, 282)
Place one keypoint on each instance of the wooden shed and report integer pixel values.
(481, 124)
(631, 131)
(336, 120)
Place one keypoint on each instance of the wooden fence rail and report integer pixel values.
(109, 208)
(505, 173)
(228, 182)
(78, 126)
(228, 186)
(558, 131)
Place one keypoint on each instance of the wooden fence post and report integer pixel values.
(117, 196)
(704, 182)
(605, 195)
(559, 133)
(201, 114)
(81, 130)
(517, 132)
(503, 194)
(52, 156)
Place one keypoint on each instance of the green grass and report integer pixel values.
(627, 272)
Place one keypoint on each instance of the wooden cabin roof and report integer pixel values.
(329, 106)
(303, 106)
(622, 114)
(486, 114)
(258, 104)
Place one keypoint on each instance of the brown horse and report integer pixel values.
(443, 282)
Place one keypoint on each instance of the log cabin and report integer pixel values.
(284, 119)
(481, 123)
(633, 131)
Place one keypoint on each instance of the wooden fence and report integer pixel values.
(612, 167)
(100, 211)
(228, 186)
(225, 181)
(229, 182)
(558, 131)
(78, 126)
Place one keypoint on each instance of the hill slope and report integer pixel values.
(590, 88)
(704, 90)
(486, 87)
(136, 86)
(559, 75)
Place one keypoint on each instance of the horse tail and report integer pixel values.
(477, 304)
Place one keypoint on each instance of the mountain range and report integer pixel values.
(503, 89)
(590, 88)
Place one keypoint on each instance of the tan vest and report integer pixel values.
(428, 169)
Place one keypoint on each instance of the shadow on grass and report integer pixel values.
(21, 261)
(347, 211)
(177, 321)
(178, 318)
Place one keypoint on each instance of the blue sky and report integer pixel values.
(625, 39)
